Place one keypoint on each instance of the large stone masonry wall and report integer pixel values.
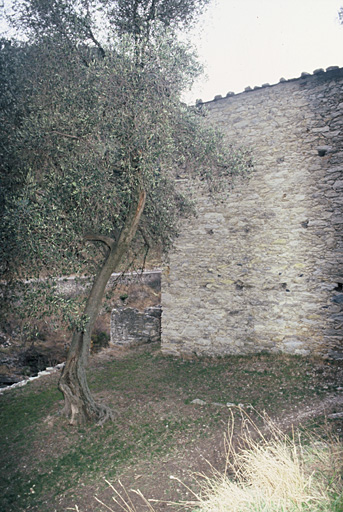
(264, 270)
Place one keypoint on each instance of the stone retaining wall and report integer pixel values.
(73, 286)
(264, 270)
(132, 327)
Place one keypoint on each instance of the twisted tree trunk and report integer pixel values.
(79, 405)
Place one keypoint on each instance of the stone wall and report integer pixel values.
(264, 270)
(132, 327)
(73, 286)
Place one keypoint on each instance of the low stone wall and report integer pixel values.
(73, 286)
(264, 270)
(132, 327)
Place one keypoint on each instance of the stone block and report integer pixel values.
(132, 327)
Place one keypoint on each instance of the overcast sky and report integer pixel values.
(251, 42)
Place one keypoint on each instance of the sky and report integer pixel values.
(251, 42)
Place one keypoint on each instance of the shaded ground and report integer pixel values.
(23, 354)
(48, 465)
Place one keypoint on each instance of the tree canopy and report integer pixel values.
(94, 137)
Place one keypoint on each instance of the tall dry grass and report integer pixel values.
(271, 471)
(266, 471)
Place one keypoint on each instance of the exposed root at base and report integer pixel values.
(104, 414)
(97, 413)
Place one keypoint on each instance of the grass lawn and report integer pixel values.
(48, 465)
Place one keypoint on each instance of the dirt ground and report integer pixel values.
(173, 476)
(178, 477)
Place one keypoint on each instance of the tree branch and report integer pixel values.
(147, 246)
(96, 42)
(152, 11)
(109, 242)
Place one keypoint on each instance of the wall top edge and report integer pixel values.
(320, 71)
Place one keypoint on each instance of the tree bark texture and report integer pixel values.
(79, 405)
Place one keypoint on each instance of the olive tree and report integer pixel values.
(95, 136)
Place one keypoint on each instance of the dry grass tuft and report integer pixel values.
(123, 500)
(275, 472)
